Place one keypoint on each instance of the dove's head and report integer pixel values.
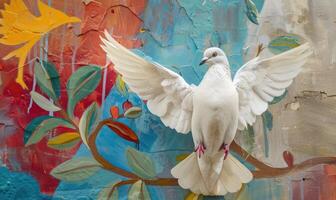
(214, 55)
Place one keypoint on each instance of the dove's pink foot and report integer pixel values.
(200, 149)
(225, 148)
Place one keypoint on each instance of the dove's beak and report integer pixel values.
(203, 60)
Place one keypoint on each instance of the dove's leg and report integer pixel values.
(197, 134)
(200, 149)
(225, 148)
(229, 137)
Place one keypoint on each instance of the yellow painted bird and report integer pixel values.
(20, 27)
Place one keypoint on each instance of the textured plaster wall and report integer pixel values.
(304, 122)
(175, 33)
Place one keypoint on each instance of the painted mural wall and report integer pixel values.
(71, 129)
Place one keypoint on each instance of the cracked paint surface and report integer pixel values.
(174, 33)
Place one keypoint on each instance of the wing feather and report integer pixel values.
(260, 80)
(168, 95)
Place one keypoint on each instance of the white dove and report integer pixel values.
(212, 111)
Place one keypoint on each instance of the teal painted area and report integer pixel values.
(179, 32)
(264, 189)
(19, 186)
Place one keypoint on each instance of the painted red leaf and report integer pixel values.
(114, 110)
(288, 157)
(123, 131)
(127, 105)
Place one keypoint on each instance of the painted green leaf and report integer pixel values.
(80, 84)
(283, 43)
(279, 98)
(140, 163)
(249, 140)
(30, 128)
(43, 102)
(47, 78)
(108, 194)
(252, 11)
(121, 86)
(64, 141)
(40, 126)
(88, 121)
(76, 169)
(138, 191)
(267, 121)
(267, 126)
(133, 112)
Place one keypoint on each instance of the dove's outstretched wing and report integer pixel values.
(260, 80)
(168, 95)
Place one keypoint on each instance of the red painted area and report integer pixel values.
(328, 191)
(69, 47)
(316, 183)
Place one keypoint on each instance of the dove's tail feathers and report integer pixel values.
(231, 178)
(189, 175)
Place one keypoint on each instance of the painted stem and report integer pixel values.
(263, 170)
(277, 172)
(259, 49)
(101, 159)
(266, 171)
(65, 115)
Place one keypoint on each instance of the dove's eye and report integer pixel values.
(214, 54)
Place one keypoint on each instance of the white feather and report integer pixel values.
(164, 89)
(259, 81)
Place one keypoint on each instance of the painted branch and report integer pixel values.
(66, 116)
(108, 166)
(101, 159)
(266, 171)
(248, 157)
(263, 170)
(121, 183)
(277, 172)
(259, 49)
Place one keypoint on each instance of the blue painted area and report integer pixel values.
(179, 32)
(19, 186)
(264, 189)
